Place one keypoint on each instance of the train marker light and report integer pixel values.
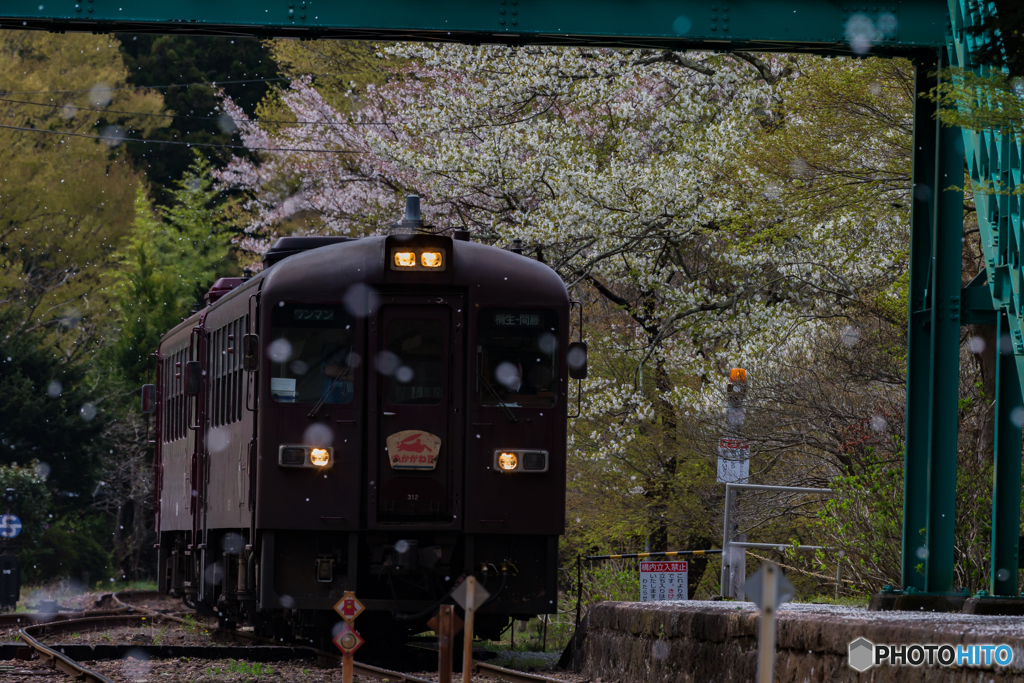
(320, 457)
(430, 259)
(508, 461)
(405, 259)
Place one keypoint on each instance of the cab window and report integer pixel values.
(311, 354)
(517, 358)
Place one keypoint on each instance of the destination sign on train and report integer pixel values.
(517, 319)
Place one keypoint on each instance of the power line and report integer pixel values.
(109, 138)
(183, 116)
(151, 87)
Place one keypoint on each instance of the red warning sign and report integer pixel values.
(349, 607)
(348, 639)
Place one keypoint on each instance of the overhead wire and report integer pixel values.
(151, 87)
(176, 116)
(109, 138)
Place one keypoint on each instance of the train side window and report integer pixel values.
(417, 348)
(312, 355)
(517, 358)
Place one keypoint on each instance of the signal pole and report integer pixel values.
(734, 559)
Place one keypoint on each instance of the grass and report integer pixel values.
(845, 600)
(244, 668)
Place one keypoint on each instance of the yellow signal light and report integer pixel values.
(430, 259)
(508, 461)
(405, 259)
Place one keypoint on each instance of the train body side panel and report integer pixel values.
(228, 423)
(176, 439)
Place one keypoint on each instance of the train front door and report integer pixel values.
(417, 478)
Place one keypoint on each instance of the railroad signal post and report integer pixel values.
(446, 624)
(469, 596)
(347, 639)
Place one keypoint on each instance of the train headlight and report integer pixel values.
(520, 461)
(405, 259)
(298, 455)
(431, 259)
(320, 457)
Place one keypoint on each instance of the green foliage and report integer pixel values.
(48, 411)
(986, 101)
(32, 500)
(69, 548)
(154, 60)
(167, 263)
(66, 201)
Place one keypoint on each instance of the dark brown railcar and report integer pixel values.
(413, 382)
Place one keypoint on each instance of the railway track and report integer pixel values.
(122, 613)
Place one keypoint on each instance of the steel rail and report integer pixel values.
(63, 662)
(500, 673)
(367, 670)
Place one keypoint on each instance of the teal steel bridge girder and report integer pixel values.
(764, 25)
(931, 32)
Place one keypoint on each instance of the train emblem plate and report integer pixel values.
(413, 449)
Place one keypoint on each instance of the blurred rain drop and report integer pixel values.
(1017, 417)
(217, 439)
(887, 24)
(226, 123)
(100, 95)
(508, 375)
(922, 553)
(1003, 574)
(68, 111)
(404, 374)
(42, 469)
(280, 350)
(401, 546)
(318, 434)
(976, 344)
(548, 343)
(113, 135)
(682, 25)
(287, 601)
(54, 388)
(87, 412)
(233, 544)
(878, 423)
(660, 650)
(861, 33)
(799, 167)
(361, 300)
(386, 363)
(354, 360)
(299, 367)
(850, 336)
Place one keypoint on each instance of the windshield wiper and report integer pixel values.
(323, 397)
(508, 411)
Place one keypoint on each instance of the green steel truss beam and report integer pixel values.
(764, 25)
(933, 338)
(994, 160)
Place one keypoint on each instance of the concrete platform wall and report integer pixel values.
(707, 642)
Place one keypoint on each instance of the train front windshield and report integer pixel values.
(311, 355)
(517, 358)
